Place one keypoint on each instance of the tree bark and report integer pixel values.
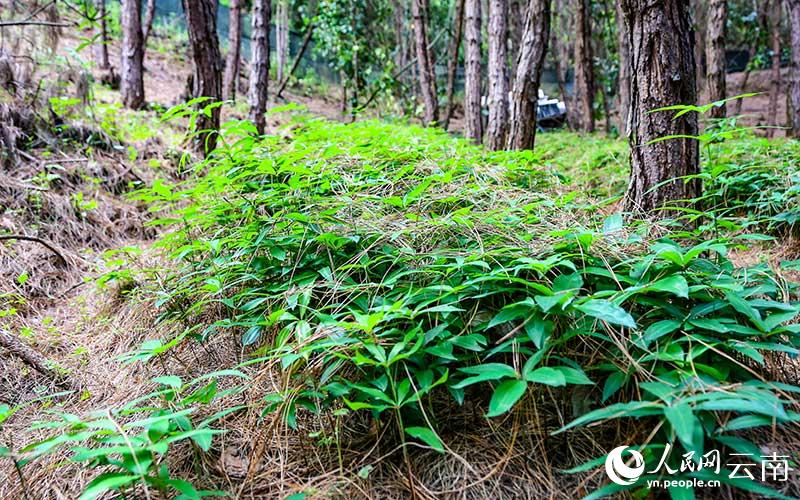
(132, 82)
(201, 21)
(662, 74)
(149, 15)
(452, 61)
(473, 122)
(775, 29)
(259, 65)
(794, 90)
(231, 78)
(101, 45)
(516, 25)
(427, 74)
(584, 74)
(282, 37)
(715, 56)
(561, 54)
(525, 93)
(31, 357)
(699, 9)
(497, 128)
(624, 91)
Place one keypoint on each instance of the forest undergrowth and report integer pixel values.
(379, 309)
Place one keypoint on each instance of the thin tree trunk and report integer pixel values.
(775, 29)
(473, 122)
(561, 53)
(259, 64)
(282, 37)
(201, 21)
(516, 24)
(584, 74)
(624, 91)
(101, 46)
(231, 78)
(149, 15)
(661, 40)
(715, 56)
(525, 93)
(497, 128)
(762, 16)
(794, 88)
(132, 82)
(699, 10)
(401, 52)
(427, 74)
(452, 61)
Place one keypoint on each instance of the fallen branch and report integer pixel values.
(31, 357)
(5, 24)
(36, 240)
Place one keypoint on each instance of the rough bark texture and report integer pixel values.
(525, 93)
(473, 124)
(149, 16)
(452, 58)
(401, 55)
(497, 128)
(794, 89)
(699, 10)
(427, 75)
(201, 21)
(584, 74)
(259, 64)
(624, 90)
(516, 24)
(775, 29)
(662, 74)
(234, 50)
(715, 55)
(101, 46)
(132, 83)
(282, 37)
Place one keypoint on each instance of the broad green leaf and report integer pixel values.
(505, 396)
(426, 435)
(607, 311)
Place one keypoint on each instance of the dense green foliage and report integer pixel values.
(383, 266)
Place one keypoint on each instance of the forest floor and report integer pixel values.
(81, 205)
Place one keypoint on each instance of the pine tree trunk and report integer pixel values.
(231, 78)
(624, 91)
(149, 16)
(282, 37)
(699, 10)
(452, 61)
(662, 74)
(775, 29)
(584, 74)
(794, 86)
(715, 55)
(201, 22)
(516, 24)
(101, 45)
(525, 93)
(259, 63)
(132, 77)
(473, 124)
(497, 127)
(427, 73)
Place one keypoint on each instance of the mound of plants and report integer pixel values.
(384, 267)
